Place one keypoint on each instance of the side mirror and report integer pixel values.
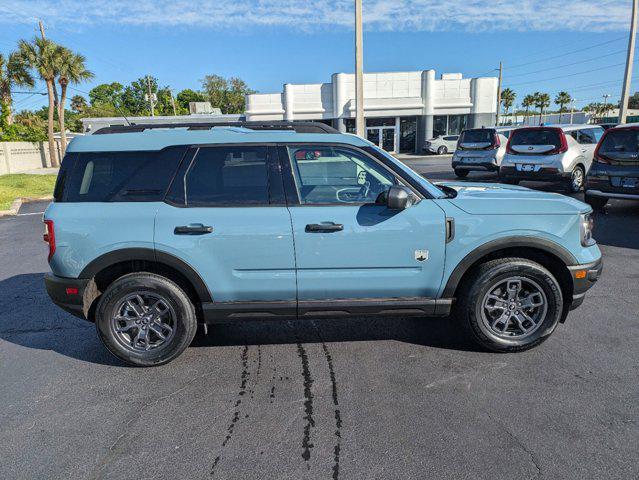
(399, 198)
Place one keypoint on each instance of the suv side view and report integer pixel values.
(559, 153)
(156, 231)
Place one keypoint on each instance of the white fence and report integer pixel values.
(18, 157)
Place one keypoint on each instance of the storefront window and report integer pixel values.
(380, 122)
(349, 123)
(407, 130)
(440, 125)
(449, 124)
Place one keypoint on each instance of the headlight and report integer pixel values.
(585, 229)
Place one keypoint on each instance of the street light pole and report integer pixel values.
(360, 124)
(501, 69)
(625, 94)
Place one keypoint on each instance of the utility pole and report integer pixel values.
(572, 110)
(623, 111)
(42, 30)
(173, 103)
(605, 96)
(360, 122)
(501, 70)
(150, 95)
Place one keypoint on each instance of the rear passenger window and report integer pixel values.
(222, 176)
(119, 176)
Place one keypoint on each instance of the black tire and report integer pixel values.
(510, 181)
(597, 203)
(469, 306)
(577, 172)
(181, 307)
(461, 173)
(442, 150)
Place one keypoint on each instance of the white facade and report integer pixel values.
(389, 95)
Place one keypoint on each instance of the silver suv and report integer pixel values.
(554, 153)
(480, 149)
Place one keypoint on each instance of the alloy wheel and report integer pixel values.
(577, 179)
(143, 321)
(514, 308)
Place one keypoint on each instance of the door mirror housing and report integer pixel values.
(398, 198)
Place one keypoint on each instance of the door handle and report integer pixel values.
(324, 227)
(193, 229)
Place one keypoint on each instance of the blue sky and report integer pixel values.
(578, 47)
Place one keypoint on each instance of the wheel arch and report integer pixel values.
(106, 268)
(550, 255)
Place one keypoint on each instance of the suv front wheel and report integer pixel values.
(510, 304)
(145, 319)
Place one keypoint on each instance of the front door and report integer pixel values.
(383, 137)
(226, 218)
(348, 244)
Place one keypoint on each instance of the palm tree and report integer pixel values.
(42, 55)
(562, 99)
(78, 103)
(507, 100)
(14, 72)
(542, 100)
(528, 101)
(71, 69)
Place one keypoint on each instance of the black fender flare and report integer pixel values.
(151, 255)
(542, 244)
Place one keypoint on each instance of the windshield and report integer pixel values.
(433, 190)
(536, 136)
(480, 135)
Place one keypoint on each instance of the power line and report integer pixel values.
(567, 64)
(566, 76)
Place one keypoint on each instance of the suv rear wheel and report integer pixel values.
(577, 177)
(145, 319)
(442, 150)
(510, 304)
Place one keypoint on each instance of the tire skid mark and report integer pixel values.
(308, 405)
(338, 414)
(257, 373)
(273, 377)
(238, 402)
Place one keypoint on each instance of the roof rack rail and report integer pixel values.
(299, 127)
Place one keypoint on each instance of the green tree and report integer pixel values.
(106, 94)
(78, 103)
(41, 55)
(507, 99)
(14, 72)
(527, 102)
(71, 70)
(633, 101)
(542, 101)
(134, 100)
(226, 94)
(562, 99)
(187, 96)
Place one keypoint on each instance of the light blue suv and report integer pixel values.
(156, 230)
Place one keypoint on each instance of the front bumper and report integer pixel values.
(70, 294)
(584, 277)
(543, 174)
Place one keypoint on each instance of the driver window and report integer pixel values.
(337, 175)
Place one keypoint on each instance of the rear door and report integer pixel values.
(587, 138)
(225, 216)
(347, 245)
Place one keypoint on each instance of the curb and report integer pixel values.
(18, 202)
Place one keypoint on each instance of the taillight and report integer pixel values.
(597, 157)
(49, 237)
(496, 142)
(509, 148)
(563, 145)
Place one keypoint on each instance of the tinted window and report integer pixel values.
(536, 136)
(228, 176)
(620, 143)
(336, 175)
(120, 176)
(451, 139)
(587, 136)
(480, 135)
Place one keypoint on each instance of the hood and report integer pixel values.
(498, 199)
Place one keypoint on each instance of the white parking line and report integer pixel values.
(34, 213)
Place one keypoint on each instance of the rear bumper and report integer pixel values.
(68, 293)
(613, 194)
(543, 174)
(584, 276)
(488, 165)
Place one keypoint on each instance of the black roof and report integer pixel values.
(299, 127)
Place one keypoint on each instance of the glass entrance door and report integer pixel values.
(383, 137)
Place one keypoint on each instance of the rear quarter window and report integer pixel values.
(138, 176)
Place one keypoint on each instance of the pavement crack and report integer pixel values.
(520, 444)
(308, 405)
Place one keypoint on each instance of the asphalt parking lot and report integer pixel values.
(349, 399)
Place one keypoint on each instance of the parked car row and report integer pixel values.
(602, 161)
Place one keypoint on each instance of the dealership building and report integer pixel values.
(402, 109)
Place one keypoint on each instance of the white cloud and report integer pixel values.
(322, 15)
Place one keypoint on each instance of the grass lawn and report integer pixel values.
(23, 185)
